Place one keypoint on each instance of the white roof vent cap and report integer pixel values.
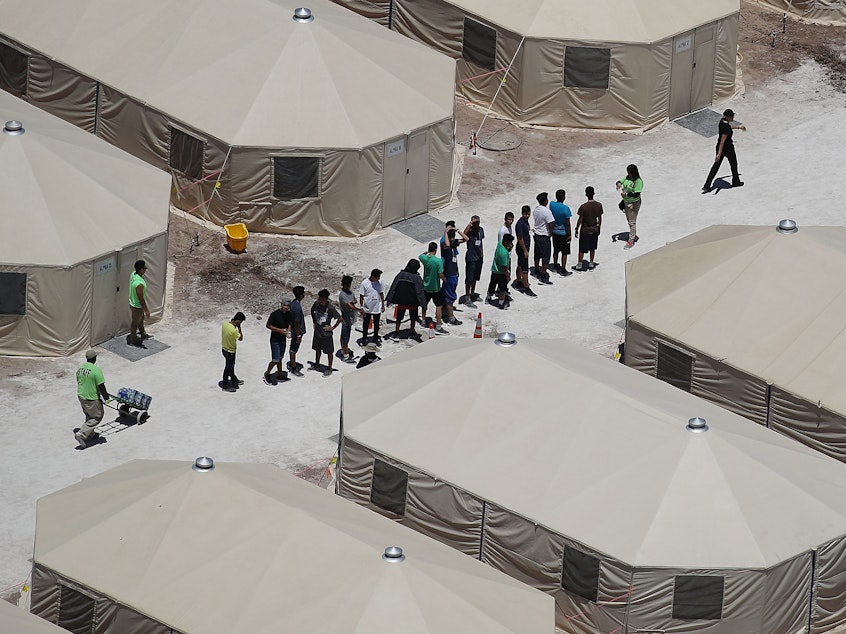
(13, 128)
(506, 339)
(697, 425)
(301, 14)
(203, 464)
(393, 554)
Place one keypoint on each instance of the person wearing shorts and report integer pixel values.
(433, 279)
(279, 324)
(560, 232)
(590, 223)
(449, 253)
(298, 331)
(473, 260)
(544, 221)
(323, 341)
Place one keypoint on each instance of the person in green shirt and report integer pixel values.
(92, 393)
(433, 279)
(138, 305)
(501, 272)
(230, 336)
(630, 189)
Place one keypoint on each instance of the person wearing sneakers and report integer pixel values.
(449, 252)
(523, 233)
(349, 310)
(473, 260)
(279, 325)
(630, 188)
(501, 272)
(433, 279)
(590, 223)
(298, 331)
(138, 305)
(92, 393)
(230, 335)
(544, 221)
(323, 340)
(561, 233)
(372, 299)
(725, 149)
(407, 293)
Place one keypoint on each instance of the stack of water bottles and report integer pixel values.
(136, 399)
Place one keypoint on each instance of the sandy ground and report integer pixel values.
(790, 159)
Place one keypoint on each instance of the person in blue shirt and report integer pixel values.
(561, 233)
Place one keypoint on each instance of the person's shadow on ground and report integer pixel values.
(96, 439)
(718, 185)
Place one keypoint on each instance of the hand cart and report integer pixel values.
(132, 404)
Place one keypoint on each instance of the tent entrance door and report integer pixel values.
(103, 297)
(126, 266)
(704, 52)
(405, 167)
(681, 75)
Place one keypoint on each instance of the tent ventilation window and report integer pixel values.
(698, 597)
(389, 489)
(580, 574)
(673, 366)
(13, 294)
(186, 153)
(296, 177)
(479, 44)
(76, 611)
(586, 67)
(14, 65)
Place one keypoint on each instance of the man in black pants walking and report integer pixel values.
(725, 149)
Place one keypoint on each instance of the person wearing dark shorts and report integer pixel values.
(323, 342)
(279, 324)
(473, 260)
(298, 331)
(433, 278)
(560, 232)
(501, 272)
(449, 253)
(590, 223)
(523, 234)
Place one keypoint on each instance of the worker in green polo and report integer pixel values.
(91, 390)
(138, 305)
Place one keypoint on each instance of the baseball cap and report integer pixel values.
(728, 112)
(90, 354)
(371, 347)
(286, 301)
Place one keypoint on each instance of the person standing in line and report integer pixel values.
(279, 325)
(544, 221)
(501, 272)
(372, 299)
(230, 335)
(473, 260)
(407, 293)
(323, 341)
(433, 279)
(523, 233)
(630, 188)
(138, 305)
(349, 310)
(298, 330)
(507, 222)
(725, 149)
(449, 253)
(561, 232)
(92, 393)
(590, 223)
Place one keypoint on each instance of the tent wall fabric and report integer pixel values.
(595, 491)
(77, 214)
(727, 337)
(820, 11)
(362, 117)
(271, 552)
(625, 65)
(14, 619)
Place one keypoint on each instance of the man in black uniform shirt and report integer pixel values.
(725, 149)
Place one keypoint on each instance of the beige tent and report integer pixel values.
(156, 546)
(580, 476)
(624, 65)
(76, 214)
(332, 126)
(721, 315)
(14, 620)
(821, 11)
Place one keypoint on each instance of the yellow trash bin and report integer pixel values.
(236, 237)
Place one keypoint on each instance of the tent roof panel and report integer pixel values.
(14, 619)
(70, 196)
(247, 73)
(781, 323)
(271, 552)
(593, 441)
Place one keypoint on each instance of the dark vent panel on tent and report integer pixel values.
(76, 611)
(479, 45)
(389, 489)
(698, 597)
(673, 366)
(12, 293)
(13, 70)
(296, 177)
(186, 153)
(580, 574)
(587, 67)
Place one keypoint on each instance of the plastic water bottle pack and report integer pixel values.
(135, 398)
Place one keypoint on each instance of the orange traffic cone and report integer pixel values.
(477, 334)
(431, 330)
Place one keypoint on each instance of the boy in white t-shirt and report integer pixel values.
(372, 300)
